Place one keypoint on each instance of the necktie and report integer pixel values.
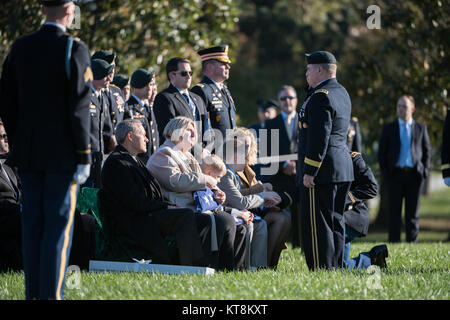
(191, 105)
(288, 124)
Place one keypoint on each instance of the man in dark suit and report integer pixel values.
(286, 123)
(177, 100)
(47, 119)
(326, 169)
(404, 158)
(135, 211)
(140, 106)
(213, 91)
(10, 221)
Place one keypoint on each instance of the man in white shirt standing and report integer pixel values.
(404, 158)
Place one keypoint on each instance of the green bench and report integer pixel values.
(107, 248)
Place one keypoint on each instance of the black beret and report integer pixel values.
(55, 2)
(319, 57)
(219, 53)
(120, 80)
(106, 55)
(264, 104)
(141, 77)
(100, 68)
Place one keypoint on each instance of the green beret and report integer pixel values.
(121, 80)
(140, 78)
(319, 57)
(106, 55)
(100, 68)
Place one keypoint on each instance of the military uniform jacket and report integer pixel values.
(116, 104)
(364, 187)
(101, 127)
(146, 115)
(323, 125)
(445, 154)
(219, 104)
(46, 114)
(170, 103)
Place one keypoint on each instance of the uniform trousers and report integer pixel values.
(323, 224)
(49, 201)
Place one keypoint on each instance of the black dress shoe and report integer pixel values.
(378, 255)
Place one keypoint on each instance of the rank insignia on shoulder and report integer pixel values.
(354, 154)
(321, 91)
(305, 125)
(88, 75)
(201, 85)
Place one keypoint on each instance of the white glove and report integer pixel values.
(447, 181)
(83, 173)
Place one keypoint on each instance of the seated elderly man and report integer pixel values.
(135, 213)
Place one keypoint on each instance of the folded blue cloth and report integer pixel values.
(204, 200)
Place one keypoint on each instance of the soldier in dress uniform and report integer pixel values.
(123, 83)
(140, 106)
(326, 169)
(46, 116)
(115, 98)
(102, 137)
(213, 91)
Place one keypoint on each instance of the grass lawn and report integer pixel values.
(415, 271)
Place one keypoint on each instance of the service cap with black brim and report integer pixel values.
(319, 57)
(100, 68)
(219, 53)
(141, 77)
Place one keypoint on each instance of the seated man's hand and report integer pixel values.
(246, 216)
(290, 168)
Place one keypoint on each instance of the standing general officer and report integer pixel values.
(47, 119)
(326, 169)
(213, 91)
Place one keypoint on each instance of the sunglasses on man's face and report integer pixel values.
(3, 136)
(185, 73)
(287, 97)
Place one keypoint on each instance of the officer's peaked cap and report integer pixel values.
(319, 57)
(219, 53)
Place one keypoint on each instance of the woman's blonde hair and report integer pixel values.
(240, 133)
(172, 131)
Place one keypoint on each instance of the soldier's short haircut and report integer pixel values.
(172, 65)
(330, 68)
(126, 126)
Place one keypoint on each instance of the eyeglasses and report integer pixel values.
(185, 73)
(287, 97)
(3, 136)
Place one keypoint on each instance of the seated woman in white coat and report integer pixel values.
(180, 175)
